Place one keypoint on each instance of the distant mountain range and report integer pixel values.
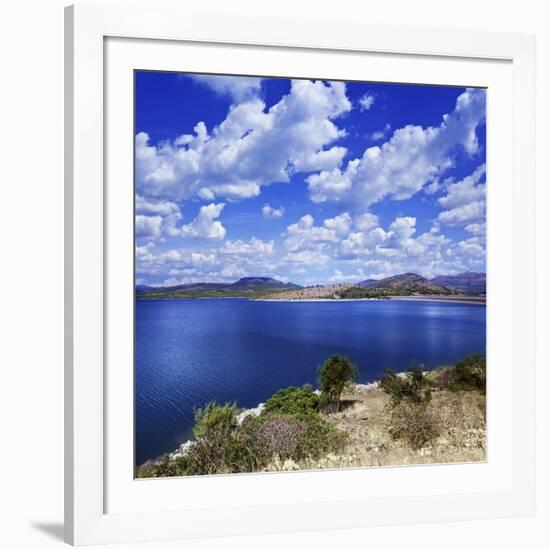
(468, 282)
(247, 286)
(411, 281)
(256, 287)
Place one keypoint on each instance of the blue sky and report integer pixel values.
(306, 181)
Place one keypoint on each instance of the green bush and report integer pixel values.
(415, 423)
(294, 402)
(334, 374)
(469, 374)
(320, 438)
(292, 428)
(288, 437)
(164, 467)
(214, 427)
(215, 420)
(413, 387)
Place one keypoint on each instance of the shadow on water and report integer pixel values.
(53, 530)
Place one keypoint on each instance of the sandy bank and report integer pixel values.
(462, 299)
(472, 300)
(317, 299)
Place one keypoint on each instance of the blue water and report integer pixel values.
(189, 352)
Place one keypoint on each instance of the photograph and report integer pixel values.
(310, 274)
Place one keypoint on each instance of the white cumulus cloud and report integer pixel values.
(464, 202)
(252, 247)
(237, 88)
(252, 147)
(270, 213)
(205, 225)
(413, 157)
(380, 134)
(366, 102)
(306, 235)
(474, 246)
(148, 226)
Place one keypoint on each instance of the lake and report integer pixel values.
(190, 352)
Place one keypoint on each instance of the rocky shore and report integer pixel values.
(364, 417)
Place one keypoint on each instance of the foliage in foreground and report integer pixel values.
(411, 418)
(334, 374)
(413, 387)
(295, 402)
(415, 423)
(293, 427)
(290, 428)
(469, 374)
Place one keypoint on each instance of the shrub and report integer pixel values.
(280, 436)
(206, 457)
(289, 428)
(335, 372)
(469, 374)
(164, 467)
(213, 429)
(414, 387)
(440, 377)
(244, 450)
(319, 438)
(294, 402)
(259, 441)
(415, 423)
(215, 420)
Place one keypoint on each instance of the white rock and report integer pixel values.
(250, 412)
(182, 450)
(290, 465)
(368, 387)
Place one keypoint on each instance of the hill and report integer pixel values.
(367, 282)
(245, 287)
(261, 284)
(317, 292)
(406, 283)
(468, 282)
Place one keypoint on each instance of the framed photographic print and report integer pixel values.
(299, 274)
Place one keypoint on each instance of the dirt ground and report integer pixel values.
(365, 418)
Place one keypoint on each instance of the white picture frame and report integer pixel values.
(103, 503)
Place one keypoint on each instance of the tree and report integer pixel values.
(215, 421)
(469, 374)
(335, 372)
(413, 387)
(213, 431)
(295, 402)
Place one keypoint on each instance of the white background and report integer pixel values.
(31, 278)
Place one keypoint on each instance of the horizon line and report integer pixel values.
(304, 286)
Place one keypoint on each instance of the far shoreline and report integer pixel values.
(461, 299)
(471, 300)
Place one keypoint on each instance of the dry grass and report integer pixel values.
(365, 417)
